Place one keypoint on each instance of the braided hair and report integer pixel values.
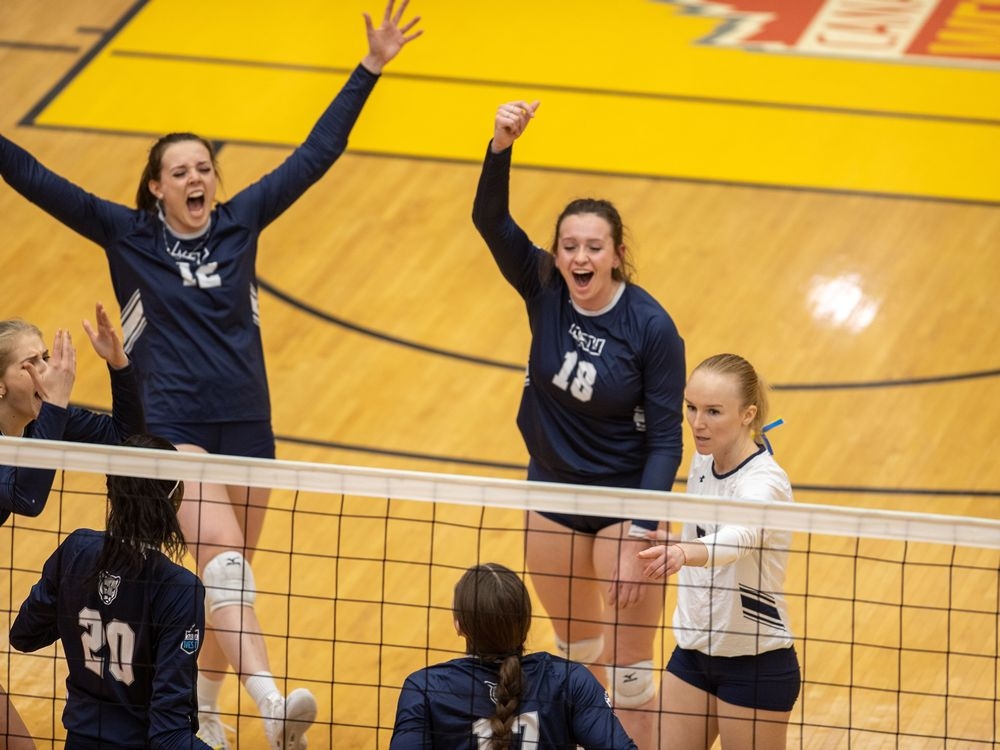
(493, 612)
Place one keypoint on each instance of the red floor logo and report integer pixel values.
(943, 32)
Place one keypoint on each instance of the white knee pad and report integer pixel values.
(228, 582)
(631, 685)
(586, 651)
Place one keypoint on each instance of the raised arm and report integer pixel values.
(127, 414)
(94, 218)
(512, 250)
(267, 199)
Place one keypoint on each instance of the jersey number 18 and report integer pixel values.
(582, 385)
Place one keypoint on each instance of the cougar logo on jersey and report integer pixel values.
(939, 32)
(192, 640)
(107, 586)
(587, 342)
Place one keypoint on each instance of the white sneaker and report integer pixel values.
(211, 730)
(287, 719)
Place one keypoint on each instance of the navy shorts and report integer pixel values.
(248, 439)
(587, 524)
(769, 681)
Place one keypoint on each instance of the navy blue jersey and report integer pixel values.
(131, 643)
(603, 393)
(24, 490)
(189, 310)
(446, 707)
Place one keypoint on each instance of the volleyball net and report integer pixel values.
(895, 615)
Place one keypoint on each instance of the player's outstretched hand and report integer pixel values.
(511, 120)
(663, 560)
(385, 42)
(105, 339)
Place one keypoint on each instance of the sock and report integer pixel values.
(208, 693)
(261, 686)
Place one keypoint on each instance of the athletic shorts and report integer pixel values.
(769, 681)
(248, 439)
(587, 524)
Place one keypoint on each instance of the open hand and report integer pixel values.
(54, 379)
(385, 42)
(105, 339)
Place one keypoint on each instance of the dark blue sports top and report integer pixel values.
(191, 318)
(131, 644)
(623, 419)
(445, 707)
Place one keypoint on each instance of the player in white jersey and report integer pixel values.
(734, 673)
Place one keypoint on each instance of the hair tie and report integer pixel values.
(765, 428)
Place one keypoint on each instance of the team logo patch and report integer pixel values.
(938, 32)
(493, 690)
(192, 641)
(107, 586)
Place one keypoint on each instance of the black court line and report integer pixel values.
(926, 380)
(341, 322)
(656, 177)
(38, 46)
(426, 348)
(82, 63)
(566, 89)
(436, 458)
(486, 463)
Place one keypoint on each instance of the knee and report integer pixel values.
(229, 582)
(632, 685)
(586, 651)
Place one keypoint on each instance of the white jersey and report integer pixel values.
(735, 605)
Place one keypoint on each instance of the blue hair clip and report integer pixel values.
(763, 435)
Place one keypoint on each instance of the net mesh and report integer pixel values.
(895, 614)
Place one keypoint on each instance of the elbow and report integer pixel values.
(31, 508)
(22, 641)
(26, 506)
(478, 218)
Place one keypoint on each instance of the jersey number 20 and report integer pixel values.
(118, 636)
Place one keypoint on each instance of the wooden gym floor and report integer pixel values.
(824, 204)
